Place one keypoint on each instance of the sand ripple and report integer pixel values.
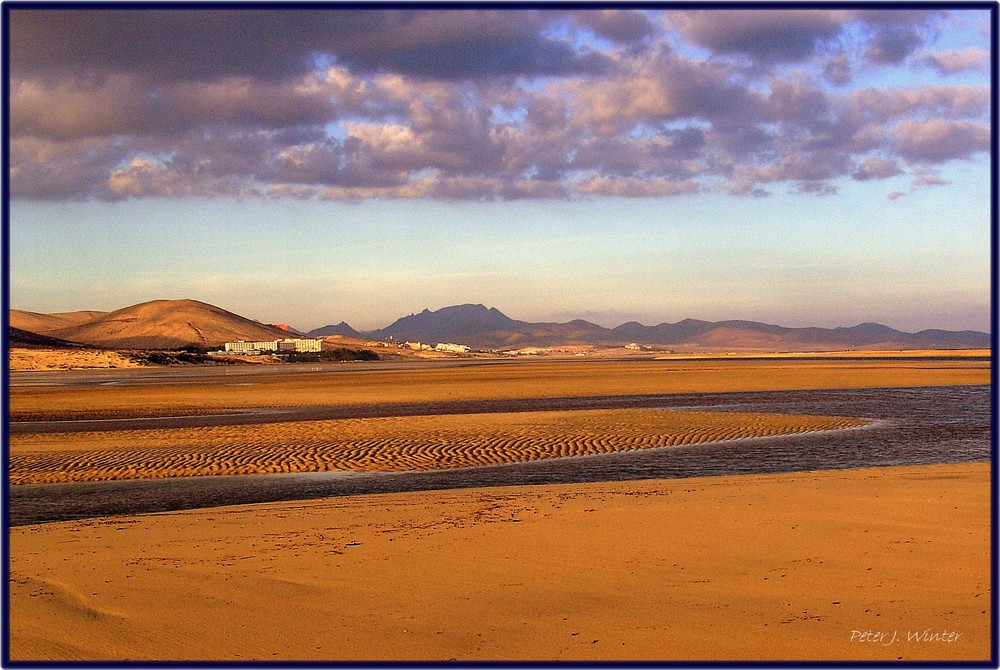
(382, 444)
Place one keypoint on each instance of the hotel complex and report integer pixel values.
(298, 345)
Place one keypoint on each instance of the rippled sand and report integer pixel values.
(382, 444)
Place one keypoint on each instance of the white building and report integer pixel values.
(454, 348)
(291, 344)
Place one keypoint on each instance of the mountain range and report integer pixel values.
(488, 328)
(165, 324)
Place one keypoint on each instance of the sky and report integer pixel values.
(804, 167)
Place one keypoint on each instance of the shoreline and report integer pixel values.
(602, 571)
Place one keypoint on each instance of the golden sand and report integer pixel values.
(287, 387)
(381, 444)
(22, 358)
(801, 566)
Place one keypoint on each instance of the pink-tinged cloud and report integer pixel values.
(123, 105)
(969, 59)
(929, 179)
(937, 140)
(876, 168)
(468, 104)
(939, 101)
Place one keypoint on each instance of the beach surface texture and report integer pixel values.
(889, 563)
(872, 564)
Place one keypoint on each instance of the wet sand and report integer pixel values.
(382, 444)
(803, 566)
(166, 392)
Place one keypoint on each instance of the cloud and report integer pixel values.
(817, 188)
(891, 45)
(477, 104)
(937, 141)
(627, 27)
(895, 34)
(636, 188)
(122, 105)
(808, 168)
(932, 101)
(876, 168)
(460, 44)
(838, 70)
(895, 195)
(929, 179)
(275, 44)
(44, 169)
(660, 88)
(178, 44)
(769, 35)
(971, 59)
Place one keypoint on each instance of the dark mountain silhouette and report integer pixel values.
(338, 329)
(450, 322)
(488, 328)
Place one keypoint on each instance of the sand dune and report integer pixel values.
(44, 324)
(382, 444)
(769, 567)
(164, 324)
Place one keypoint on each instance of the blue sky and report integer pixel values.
(802, 168)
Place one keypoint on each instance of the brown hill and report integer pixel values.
(43, 324)
(167, 324)
(18, 337)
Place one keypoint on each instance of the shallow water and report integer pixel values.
(911, 426)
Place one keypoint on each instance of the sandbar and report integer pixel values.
(382, 444)
(226, 389)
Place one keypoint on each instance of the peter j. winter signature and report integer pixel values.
(887, 638)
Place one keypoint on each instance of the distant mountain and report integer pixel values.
(448, 323)
(163, 324)
(488, 328)
(338, 329)
(167, 324)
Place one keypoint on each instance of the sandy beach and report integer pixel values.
(869, 564)
(836, 565)
(295, 386)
